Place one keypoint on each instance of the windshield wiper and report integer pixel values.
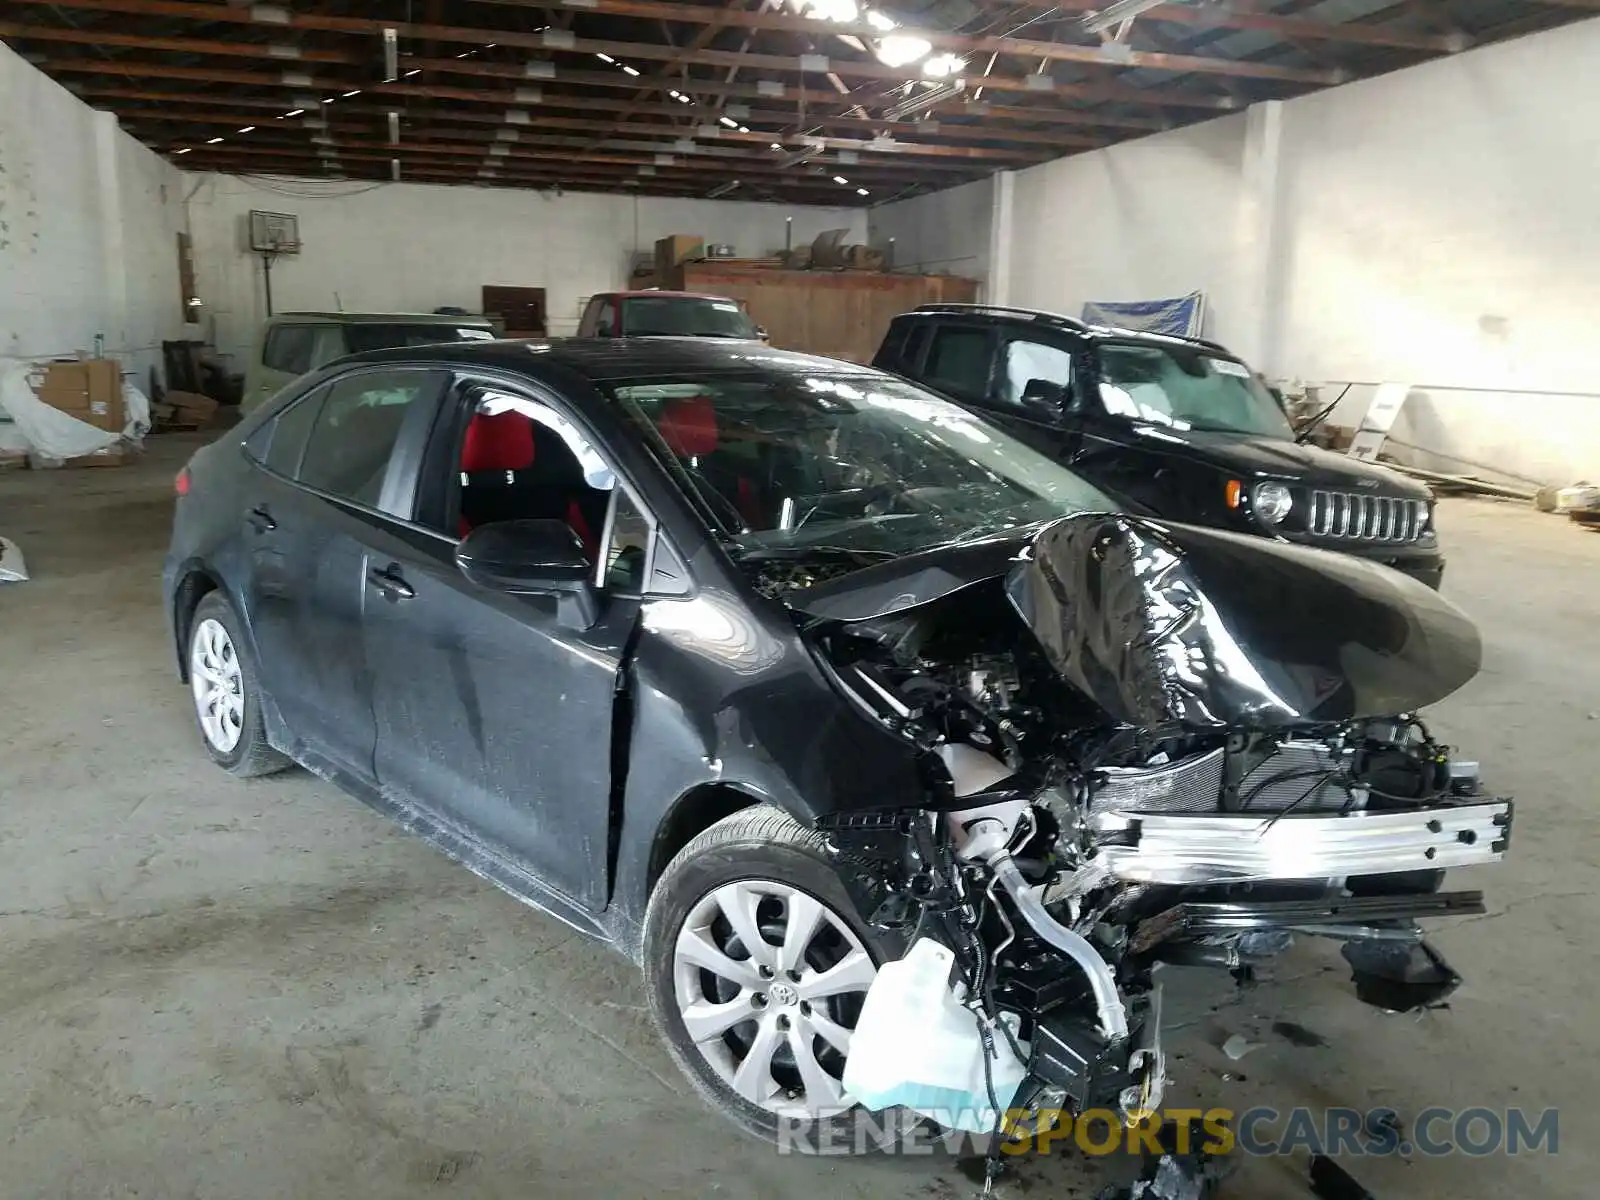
(1305, 430)
(760, 553)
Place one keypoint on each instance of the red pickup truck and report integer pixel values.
(667, 314)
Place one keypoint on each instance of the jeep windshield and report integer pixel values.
(854, 463)
(1187, 387)
(685, 316)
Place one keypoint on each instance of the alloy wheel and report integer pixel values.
(218, 683)
(769, 982)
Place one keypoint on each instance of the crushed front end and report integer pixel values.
(1148, 744)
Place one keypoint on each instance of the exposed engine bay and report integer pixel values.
(1134, 779)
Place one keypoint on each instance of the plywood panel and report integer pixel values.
(835, 314)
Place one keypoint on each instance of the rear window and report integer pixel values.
(684, 316)
(380, 336)
(289, 348)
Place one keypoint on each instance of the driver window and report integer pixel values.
(521, 460)
(606, 322)
(1027, 361)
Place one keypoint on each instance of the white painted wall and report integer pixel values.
(88, 225)
(945, 233)
(1141, 220)
(1437, 225)
(1445, 221)
(414, 247)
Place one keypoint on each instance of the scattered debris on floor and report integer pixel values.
(1581, 502)
(1464, 485)
(1383, 1125)
(1237, 1046)
(1298, 1035)
(1399, 976)
(1171, 1175)
(1332, 1182)
(12, 567)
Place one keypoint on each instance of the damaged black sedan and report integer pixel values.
(896, 756)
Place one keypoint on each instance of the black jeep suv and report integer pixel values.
(1172, 427)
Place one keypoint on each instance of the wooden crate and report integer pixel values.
(838, 314)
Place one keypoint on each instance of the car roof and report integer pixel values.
(623, 358)
(381, 318)
(656, 293)
(1002, 315)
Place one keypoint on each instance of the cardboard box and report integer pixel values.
(677, 249)
(191, 407)
(90, 391)
(111, 456)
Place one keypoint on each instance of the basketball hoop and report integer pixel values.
(270, 235)
(274, 233)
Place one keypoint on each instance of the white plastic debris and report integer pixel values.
(136, 410)
(1237, 1046)
(12, 568)
(916, 1046)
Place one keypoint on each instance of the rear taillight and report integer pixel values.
(181, 483)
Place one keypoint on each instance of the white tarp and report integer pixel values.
(43, 430)
(12, 568)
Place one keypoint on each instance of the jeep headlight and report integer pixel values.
(1271, 501)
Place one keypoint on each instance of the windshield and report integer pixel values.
(684, 316)
(374, 335)
(1187, 387)
(875, 466)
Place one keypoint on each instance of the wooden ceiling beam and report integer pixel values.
(1225, 15)
(594, 165)
(1236, 15)
(477, 36)
(541, 120)
(1094, 92)
(575, 150)
(995, 126)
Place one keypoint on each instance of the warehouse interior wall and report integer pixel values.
(89, 220)
(945, 233)
(398, 247)
(1434, 226)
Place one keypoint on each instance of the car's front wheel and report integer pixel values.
(757, 964)
(227, 696)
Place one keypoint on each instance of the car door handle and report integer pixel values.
(391, 583)
(261, 519)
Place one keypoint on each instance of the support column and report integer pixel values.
(997, 288)
(113, 240)
(1262, 239)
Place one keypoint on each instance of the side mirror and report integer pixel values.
(1045, 398)
(761, 332)
(533, 558)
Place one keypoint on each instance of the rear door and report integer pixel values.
(319, 494)
(492, 715)
(960, 362)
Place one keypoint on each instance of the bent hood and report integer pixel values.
(1164, 624)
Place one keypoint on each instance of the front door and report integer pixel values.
(492, 714)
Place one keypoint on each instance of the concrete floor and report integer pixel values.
(212, 988)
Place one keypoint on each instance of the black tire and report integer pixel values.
(759, 843)
(252, 755)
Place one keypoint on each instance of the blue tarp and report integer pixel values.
(1180, 317)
